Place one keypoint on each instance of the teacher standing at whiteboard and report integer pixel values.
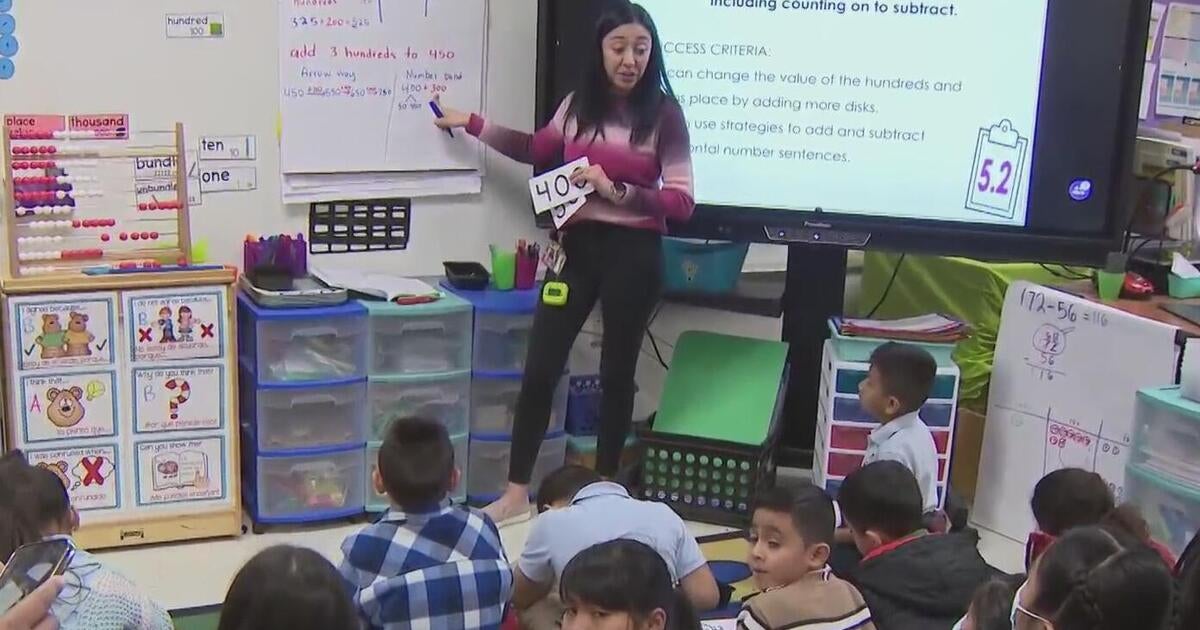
(625, 119)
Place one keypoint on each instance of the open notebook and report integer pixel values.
(377, 284)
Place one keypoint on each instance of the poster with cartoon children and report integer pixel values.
(68, 406)
(183, 470)
(90, 474)
(62, 332)
(172, 325)
(178, 399)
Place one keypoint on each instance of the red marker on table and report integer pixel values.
(437, 111)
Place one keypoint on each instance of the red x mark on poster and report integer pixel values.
(206, 331)
(92, 474)
(144, 334)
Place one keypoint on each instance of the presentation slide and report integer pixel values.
(890, 108)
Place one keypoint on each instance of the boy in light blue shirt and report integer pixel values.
(579, 510)
(897, 385)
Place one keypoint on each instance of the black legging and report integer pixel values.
(621, 267)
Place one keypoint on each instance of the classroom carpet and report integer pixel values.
(726, 554)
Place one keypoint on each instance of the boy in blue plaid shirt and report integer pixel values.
(426, 564)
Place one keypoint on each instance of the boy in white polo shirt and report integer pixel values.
(579, 510)
(897, 385)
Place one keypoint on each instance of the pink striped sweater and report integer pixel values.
(658, 172)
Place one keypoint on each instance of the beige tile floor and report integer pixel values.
(187, 575)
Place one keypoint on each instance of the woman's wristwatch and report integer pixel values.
(619, 191)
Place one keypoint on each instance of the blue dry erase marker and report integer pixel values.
(437, 111)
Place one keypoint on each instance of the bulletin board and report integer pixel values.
(125, 389)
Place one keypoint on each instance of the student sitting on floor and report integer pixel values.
(911, 579)
(623, 585)
(1072, 497)
(790, 537)
(34, 505)
(991, 606)
(287, 588)
(581, 510)
(425, 563)
(1091, 580)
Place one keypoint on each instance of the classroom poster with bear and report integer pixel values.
(52, 334)
(68, 406)
(174, 471)
(168, 326)
(178, 399)
(90, 474)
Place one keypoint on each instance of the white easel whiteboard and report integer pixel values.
(1063, 392)
(356, 77)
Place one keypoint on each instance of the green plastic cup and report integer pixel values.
(504, 269)
(1109, 285)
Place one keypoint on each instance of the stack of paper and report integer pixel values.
(932, 328)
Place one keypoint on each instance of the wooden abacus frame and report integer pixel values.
(183, 248)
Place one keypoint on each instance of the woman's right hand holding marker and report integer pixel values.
(450, 118)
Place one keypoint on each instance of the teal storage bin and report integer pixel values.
(695, 267)
(1182, 288)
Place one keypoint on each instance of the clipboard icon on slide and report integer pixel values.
(998, 170)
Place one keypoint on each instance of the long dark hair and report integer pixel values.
(287, 588)
(626, 576)
(1089, 580)
(1072, 497)
(592, 103)
(32, 499)
(1188, 607)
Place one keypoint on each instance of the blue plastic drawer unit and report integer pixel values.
(296, 345)
(487, 474)
(442, 398)
(431, 338)
(290, 418)
(503, 321)
(494, 406)
(316, 486)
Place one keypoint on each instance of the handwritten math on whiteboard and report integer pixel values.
(356, 77)
(1049, 340)
(1062, 395)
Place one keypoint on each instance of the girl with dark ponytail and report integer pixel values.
(1073, 497)
(1090, 580)
(622, 585)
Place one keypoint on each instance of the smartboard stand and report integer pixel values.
(815, 291)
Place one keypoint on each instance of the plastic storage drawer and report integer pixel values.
(380, 502)
(501, 340)
(313, 487)
(494, 405)
(1171, 508)
(303, 344)
(1166, 434)
(419, 339)
(488, 470)
(289, 418)
(446, 399)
